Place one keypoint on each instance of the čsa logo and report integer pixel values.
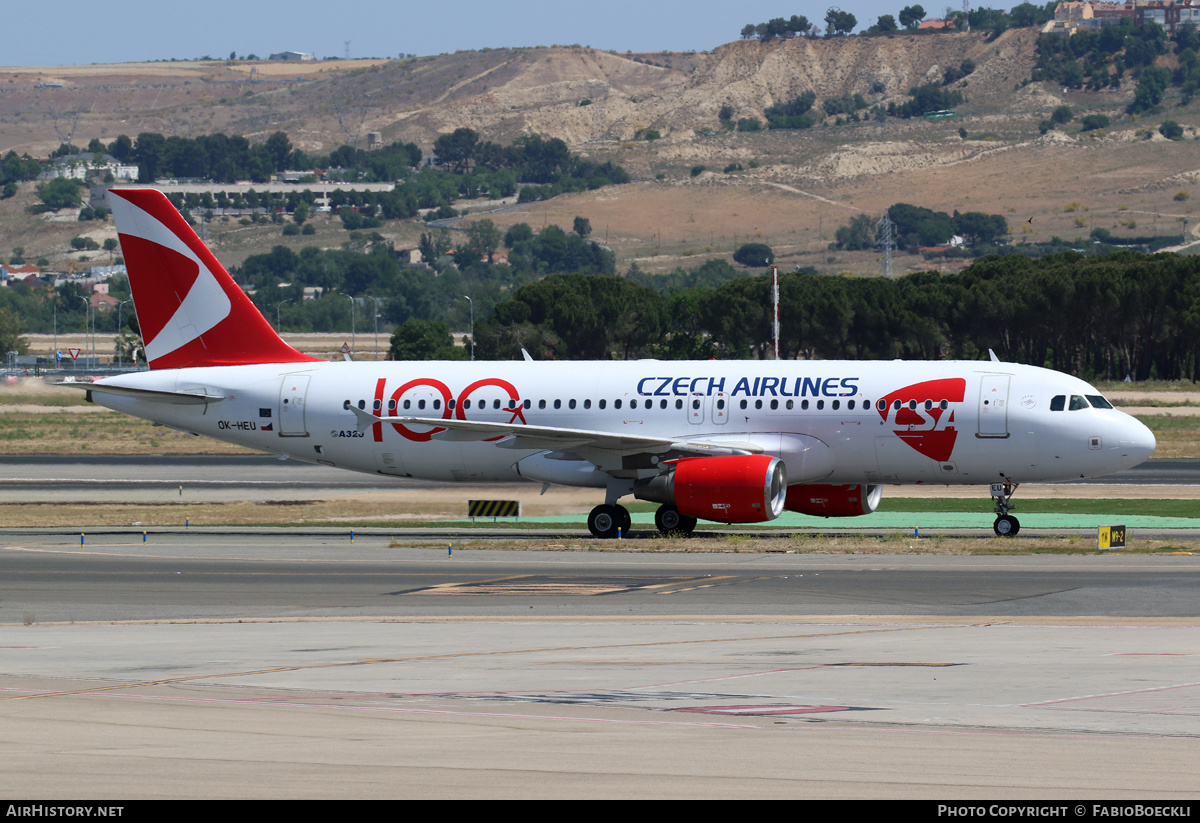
(922, 416)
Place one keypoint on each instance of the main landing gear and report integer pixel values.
(607, 520)
(1006, 525)
(669, 520)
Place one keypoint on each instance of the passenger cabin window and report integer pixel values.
(1058, 402)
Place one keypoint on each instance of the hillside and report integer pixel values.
(500, 92)
(794, 188)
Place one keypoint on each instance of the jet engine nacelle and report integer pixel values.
(730, 489)
(825, 500)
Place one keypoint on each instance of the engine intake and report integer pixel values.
(730, 489)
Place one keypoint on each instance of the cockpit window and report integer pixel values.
(1058, 402)
(1099, 402)
(1077, 403)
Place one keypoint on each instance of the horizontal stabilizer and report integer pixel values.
(177, 398)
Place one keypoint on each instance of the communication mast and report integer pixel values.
(885, 231)
(775, 311)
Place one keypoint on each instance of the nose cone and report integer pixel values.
(1137, 442)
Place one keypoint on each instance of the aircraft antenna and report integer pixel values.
(885, 231)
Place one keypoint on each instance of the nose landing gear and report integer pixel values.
(1006, 525)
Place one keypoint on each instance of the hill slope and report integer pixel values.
(793, 189)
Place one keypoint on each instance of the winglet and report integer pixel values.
(190, 311)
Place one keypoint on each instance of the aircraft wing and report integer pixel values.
(609, 451)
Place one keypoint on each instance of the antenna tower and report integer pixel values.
(885, 229)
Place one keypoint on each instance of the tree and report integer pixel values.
(517, 233)
(482, 237)
(859, 235)
(11, 330)
(60, 193)
(457, 149)
(886, 24)
(583, 227)
(839, 22)
(417, 339)
(1152, 84)
(754, 255)
(1062, 114)
(911, 17)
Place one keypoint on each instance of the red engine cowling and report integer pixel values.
(825, 500)
(733, 489)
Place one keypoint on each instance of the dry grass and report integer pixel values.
(806, 543)
(64, 431)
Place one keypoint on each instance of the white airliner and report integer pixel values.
(725, 441)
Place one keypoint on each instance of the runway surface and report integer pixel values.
(294, 663)
(217, 665)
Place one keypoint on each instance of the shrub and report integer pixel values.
(1171, 130)
(754, 255)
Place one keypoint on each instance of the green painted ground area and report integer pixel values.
(955, 513)
(924, 520)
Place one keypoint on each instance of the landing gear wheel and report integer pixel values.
(626, 520)
(668, 520)
(1006, 526)
(604, 521)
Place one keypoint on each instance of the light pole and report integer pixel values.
(120, 306)
(472, 302)
(87, 315)
(376, 318)
(278, 327)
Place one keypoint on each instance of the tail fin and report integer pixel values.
(190, 311)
